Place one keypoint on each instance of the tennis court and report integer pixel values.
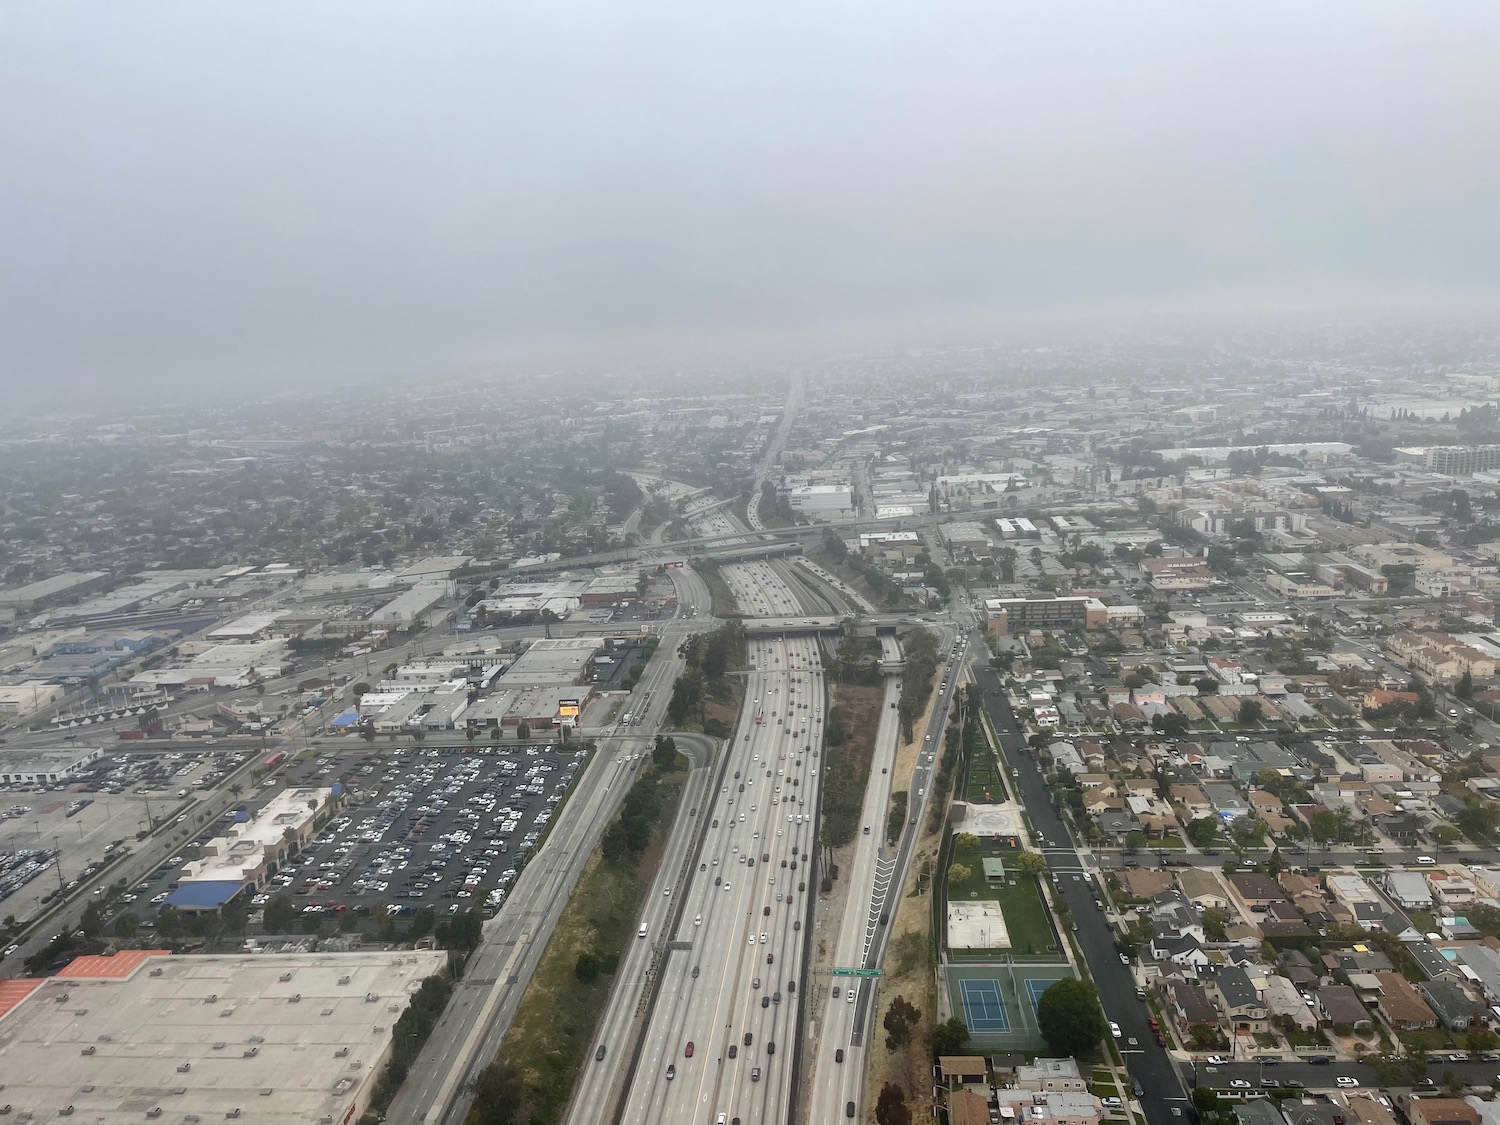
(998, 1002)
(984, 1009)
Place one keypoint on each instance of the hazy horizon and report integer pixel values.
(214, 197)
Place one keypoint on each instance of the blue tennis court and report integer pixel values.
(1035, 988)
(984, 1009)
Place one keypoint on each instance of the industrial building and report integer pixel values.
(557, 661)
(822, 502)
(411, 608)
(280, 1039)
(28, 697)
(250, 627)
(44, 767)
(70, 584)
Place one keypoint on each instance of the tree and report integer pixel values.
(500, 1096)
(1214, 921)
(169, 923)
(1324, 825)
(1249, 712)
(959, 873)
(125, 926)
(891, 1107)
(1205, 1101)
(523, 732)
(949, 1037)
(280, 914)
(1465, 686)
(965, 842)
(664, 754)
(359, 689)
(1030, 863)
(92, 923)
(1070, 1018)
(1202, 831)
(899, 1020)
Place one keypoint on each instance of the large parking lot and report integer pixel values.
(436, 828)
(54, 835)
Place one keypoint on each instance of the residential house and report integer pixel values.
(1314, 1113)
(1401, 1004)
(1365, 1109)
(1051, 1074)
(1367, 909)
(1258, 1111)
(962, 1070)
(1188, 1004)
(1117, 824)
(1339, 1007)
(1431, 960)
(1408, 890)
(1253, 892)
(1483, 962)
(1226, 801)
(968, 1107)
(1194, 801)
(1442, 1111)
(1048, 1107)
(1267, 806)
(1244, 1009)
(1454, 1008)
(1283, 1000)
(1143, 882)
(1173, 914)
(1182, 950)
(1452, 892)
(1203, 888)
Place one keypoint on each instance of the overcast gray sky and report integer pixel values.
(273, 191)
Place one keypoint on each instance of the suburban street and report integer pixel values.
(1147, 1063)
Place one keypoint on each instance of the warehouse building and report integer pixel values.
(44, 767)
(70, 584)
(411, 608)
(823, 502)
(280, 1039)
(556, 661)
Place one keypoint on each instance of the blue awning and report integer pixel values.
(204, 896)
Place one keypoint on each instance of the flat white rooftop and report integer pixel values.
(205, 1036)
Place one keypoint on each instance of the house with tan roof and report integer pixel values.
(1193, 800)
(1203, 888)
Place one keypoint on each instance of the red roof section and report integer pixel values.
(118, 967)
(13, 991)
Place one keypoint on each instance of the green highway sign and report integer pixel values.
(856, 972)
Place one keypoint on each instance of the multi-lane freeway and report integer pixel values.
(706, 1019)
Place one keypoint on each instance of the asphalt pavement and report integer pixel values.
(1150, 1065)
